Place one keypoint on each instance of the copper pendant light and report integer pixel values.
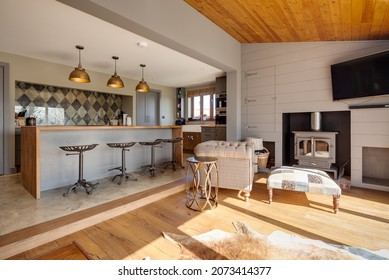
(79, 74)
(142, 86)
(115, 80)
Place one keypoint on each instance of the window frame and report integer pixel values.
(191, 94)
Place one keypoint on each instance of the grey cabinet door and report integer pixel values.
(147, 108)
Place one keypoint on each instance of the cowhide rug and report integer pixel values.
(247, 244)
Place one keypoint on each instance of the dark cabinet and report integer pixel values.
(18, 150)
(221, 85)
(213, 133)
(191, 139)
(180, 99)
(220, 133)
(221, 100)
(207, 133)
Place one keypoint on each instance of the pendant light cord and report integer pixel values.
(79, 58)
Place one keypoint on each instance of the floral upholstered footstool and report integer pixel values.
(303, 180)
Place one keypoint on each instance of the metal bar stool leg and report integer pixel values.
(124, 173)
(153, 145)
(81, 181)
(79, 150)
(125, 148)
(152, 165)
(80, 166)
(173, 161)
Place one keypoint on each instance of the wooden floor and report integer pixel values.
(363, 221)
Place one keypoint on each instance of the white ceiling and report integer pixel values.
(49, 30)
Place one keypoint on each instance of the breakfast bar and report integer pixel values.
(45, 166)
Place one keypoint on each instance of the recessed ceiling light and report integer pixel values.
(143, 44)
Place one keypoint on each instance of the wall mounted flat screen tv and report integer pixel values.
(361, 77)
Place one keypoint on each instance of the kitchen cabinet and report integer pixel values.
(213, 133)
(18, 150)
(147, 108)
(221, 100)
(221, 85)
(220, 133)
(191, 139)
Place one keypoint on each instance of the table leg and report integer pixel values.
(336, 203)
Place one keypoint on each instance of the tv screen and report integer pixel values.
(361, 77)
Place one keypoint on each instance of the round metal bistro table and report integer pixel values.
(200, 193)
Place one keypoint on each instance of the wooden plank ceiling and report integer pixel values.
(265, 21)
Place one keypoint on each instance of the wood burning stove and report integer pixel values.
(316, 149)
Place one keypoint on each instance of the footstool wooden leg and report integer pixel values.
(336, 203)
(270, 195)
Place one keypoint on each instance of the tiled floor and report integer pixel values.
(18, 209)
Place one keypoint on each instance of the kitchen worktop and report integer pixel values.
(197, 127)
(94, 127)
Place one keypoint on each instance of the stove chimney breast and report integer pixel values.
(316, 121)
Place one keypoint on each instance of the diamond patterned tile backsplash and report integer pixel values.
(52, 105)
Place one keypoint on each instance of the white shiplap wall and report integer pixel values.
(282, 78)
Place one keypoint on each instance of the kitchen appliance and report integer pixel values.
(220, 119)
(180, 122)
(31, 121)
(221, 101)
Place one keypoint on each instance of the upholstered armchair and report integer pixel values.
(235, 164)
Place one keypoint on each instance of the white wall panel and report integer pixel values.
(260, 91)
(263, 118)
(369, 140)
(307, 85)
(302, 75)
(260, 81)
(302, 83)
(363, 115)
(356, 152)
(370, 128)
(300, 96)
(262, 108)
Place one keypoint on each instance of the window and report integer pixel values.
(201, 103)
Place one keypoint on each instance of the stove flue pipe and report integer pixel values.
(316, 121)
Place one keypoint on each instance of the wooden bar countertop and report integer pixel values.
(92, 127)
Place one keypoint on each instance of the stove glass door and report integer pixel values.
(304, 145)
(322, 148)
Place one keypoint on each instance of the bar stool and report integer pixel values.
(173, 162)
(153, 145)
(79, 150)
(125, 147)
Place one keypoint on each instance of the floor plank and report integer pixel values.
(71, 251)
(362, 221)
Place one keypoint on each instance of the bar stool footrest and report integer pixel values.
(88, 186)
